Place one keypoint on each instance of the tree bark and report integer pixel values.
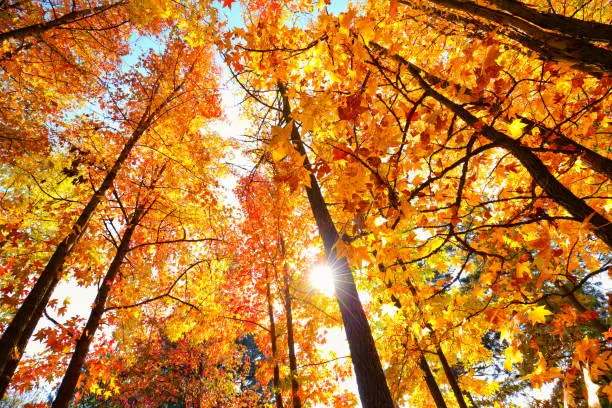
(575, 27)
(278, 398)
(371, 383)
(12, 344)
(37, 29)
(431, 382)
(584, 55)
(10, 367)
(295, 387)
(67, 388)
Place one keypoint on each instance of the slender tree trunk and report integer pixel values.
(37, 29)
(532, 163)
(448, 371)
(295, 387)
(594, 160)
(575, 27)
(450, 375)
(278, 398)
(431, 382)
(371, 383)
(12, 343)
(67, 388)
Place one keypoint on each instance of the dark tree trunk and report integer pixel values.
(37, 29)
(295, 387)
(448, 371)
(67, 388)
(450, 375)
(431, 382)
(13, 343)
(549, 45)
(575, 27)
(9, 368)
(371, 383)
(276, 379)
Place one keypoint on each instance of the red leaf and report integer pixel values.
(353, 108)
(338, 154)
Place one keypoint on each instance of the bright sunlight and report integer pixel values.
(322, 279)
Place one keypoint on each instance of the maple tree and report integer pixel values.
(156, 94)
(451, 158)
(272, 267)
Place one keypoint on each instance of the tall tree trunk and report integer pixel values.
(67, 388)
(278, 398)
(371, 383)
(295, 387)
(450, 375)
(13, 343)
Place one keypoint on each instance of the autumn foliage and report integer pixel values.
(449, 160)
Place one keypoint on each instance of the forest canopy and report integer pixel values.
(291, 203)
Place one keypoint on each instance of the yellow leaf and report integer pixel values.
(516, 128)
(587, 220)
(280, 144)
(538, 314)
(513, 356)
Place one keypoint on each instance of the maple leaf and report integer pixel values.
(228, 3)
(492, 53)
(513, 356)
(538, 314)
(542, 373)
(523, 270)
(586, 349)
(516, 128)
(339, 154)
(280, 144)
(352, 109)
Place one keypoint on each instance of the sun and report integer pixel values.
(322, 279)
